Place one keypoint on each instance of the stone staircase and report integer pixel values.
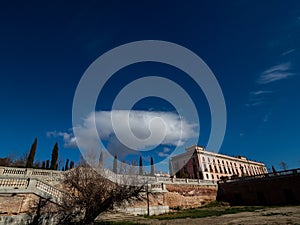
(31, 181)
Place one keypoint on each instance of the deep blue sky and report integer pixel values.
(252, 47)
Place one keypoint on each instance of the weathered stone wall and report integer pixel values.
(12, 204)
(262, 191)
(189, 196)
(180, 196)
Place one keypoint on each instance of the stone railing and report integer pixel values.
(13, 183)
(28, 172)
(48, 176)
(17, 185)
(48, 189)
(120, 178)
(292, 172)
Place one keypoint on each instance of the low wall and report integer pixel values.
(270, 189)
(153, 210)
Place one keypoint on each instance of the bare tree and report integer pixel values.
(283, 165)
(37, 211)
(92, 194)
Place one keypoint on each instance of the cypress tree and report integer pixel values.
(44, 165)
(71, 164)
(54, 157)
(101, 160)
(115, 166)
(171, 168)
(30, 159)
(152, 166)
(48, 164)
(122, 167)
(67, 165)
(141, 166)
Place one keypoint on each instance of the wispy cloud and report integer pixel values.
(275, 73)
(288, 52)
(260, 92)
(267, 117)
(258, 97)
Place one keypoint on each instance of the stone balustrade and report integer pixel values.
(120, 178)
(291, 172)
(48, 189)
(13, 183)
(11, 171)
(22, 177)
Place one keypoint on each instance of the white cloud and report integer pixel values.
(163, 127)
(69, 139)
(166, 149)
(161, 154)
(275, 73)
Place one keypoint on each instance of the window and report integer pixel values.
(207, 176)
(212, 176)
(203, 159)
(216, 169)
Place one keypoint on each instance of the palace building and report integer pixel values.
(197, 163)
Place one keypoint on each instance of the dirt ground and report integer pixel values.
(277, 215)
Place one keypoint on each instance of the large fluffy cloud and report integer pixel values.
(146, 129)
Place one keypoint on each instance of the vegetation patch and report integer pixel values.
(206, 211)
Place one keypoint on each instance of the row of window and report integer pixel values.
(246, 169)
(208, 159)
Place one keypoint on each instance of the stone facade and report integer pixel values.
(197, 163)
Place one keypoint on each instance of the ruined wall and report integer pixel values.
(188, 195)
(180, 196)
(12, 204)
